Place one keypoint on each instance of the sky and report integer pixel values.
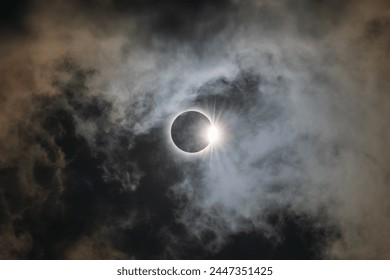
(300, 89)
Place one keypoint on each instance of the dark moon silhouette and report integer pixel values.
(189, 131)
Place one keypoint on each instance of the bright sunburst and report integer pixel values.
(213, 134)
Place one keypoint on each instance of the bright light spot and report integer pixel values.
(213, 134)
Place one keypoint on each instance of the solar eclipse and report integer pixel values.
(192, 132)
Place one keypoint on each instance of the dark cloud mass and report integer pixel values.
(299, 89)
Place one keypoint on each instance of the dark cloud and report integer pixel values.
(173, 20)
(13, 17)
(316, 18)
(377, 28)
